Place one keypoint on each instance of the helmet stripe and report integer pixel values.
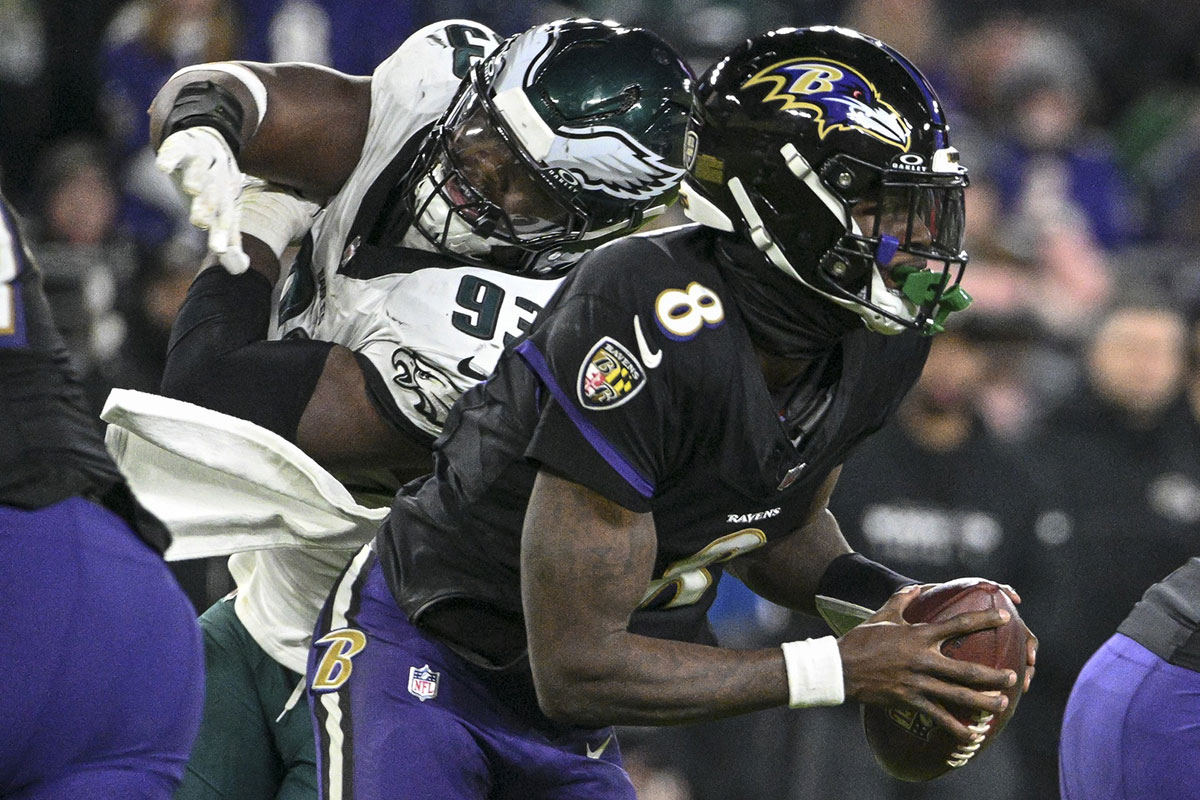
(931, 101)
(530, 129)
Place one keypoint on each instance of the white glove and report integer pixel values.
(201, 164)
(275, 215)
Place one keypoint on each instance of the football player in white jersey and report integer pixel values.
(446, 193)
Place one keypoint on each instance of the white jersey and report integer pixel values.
(430, 332)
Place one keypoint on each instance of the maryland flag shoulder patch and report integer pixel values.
(609, 376)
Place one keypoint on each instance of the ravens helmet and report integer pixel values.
(829, 151)
(565, 136)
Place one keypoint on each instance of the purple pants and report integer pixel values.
(1132, 728)
(399, 716)
(101, 657)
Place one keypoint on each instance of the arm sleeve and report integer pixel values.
(218, 357)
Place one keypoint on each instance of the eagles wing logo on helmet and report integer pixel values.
(611, 161)
(599, 157)
(841, 96)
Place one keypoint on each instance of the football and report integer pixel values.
(910, 745)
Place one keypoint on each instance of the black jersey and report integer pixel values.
(50, 444)
(1167, 619)
(638, 381)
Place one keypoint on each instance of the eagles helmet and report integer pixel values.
(566, 136)
(829, 151)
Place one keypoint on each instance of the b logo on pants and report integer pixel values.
(335, 666)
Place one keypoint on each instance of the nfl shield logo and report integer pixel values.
(423, 682)
(916, 723)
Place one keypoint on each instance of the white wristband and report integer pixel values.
(814, 672)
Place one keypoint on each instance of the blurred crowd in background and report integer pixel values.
(1053, 441)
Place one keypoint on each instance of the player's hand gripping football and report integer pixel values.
(201, 164)
(1031, 642)
(888, 661)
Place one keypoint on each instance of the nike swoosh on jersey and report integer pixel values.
(650, 359)
(599, 751)
(465, 368)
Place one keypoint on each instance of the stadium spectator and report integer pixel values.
(1160, 141)
(85, 258)
(1053, 166)
(351, 36)
(1034, 344)
(146, 42)
(25, 91)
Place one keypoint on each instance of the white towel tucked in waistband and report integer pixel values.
(223, 485)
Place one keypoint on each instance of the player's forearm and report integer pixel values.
(625, 679)
(262, 260)
(310, 392)
(299, 125)
(788, 571)
(585, 564)
(813, 570)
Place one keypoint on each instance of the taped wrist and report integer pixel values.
(218, 357)
(853, 588)
(207, 104)
(814, 672)
(274, 215)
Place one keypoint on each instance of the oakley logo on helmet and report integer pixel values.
(838, 94)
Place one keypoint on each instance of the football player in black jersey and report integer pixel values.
(680, 407)
(98, 643)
